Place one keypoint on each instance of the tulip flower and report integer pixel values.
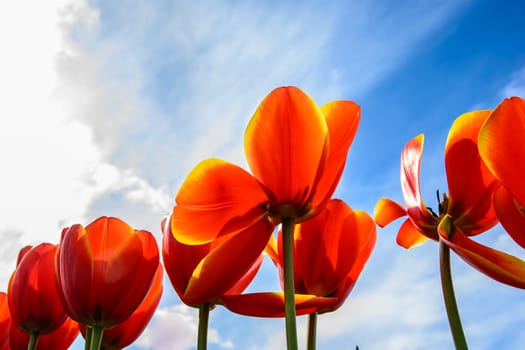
(127, 332)
(104, 271)
(199, 277)
(34, 301)
(501, 147)
(5, 322)
(466, 211)
(296, 153)
(60, 339)
(330, 251)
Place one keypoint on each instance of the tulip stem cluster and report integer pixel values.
(289, 289)
(450, 300)
(204, 313)
(312, 331)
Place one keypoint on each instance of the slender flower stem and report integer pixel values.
(312, 331)
(450, 299)
(33, 340)
(204, 313)
(87, 343)
(96, 337)
(289, 289)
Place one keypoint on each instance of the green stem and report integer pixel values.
(96, 337)
(312, 331)
(450, 299)
(289, 289)
(87, 338)
(33, 340)
(204, 313)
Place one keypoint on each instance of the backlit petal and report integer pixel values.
(286, 146)
(470, 183)
(216, 198)
(386, 211)
(410, 186)
(511, 218)
(501, 145)
(271, 304)
(498, 265)
(342, 118)
(409, 236)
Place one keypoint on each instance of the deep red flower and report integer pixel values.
(466, 211)
(5, 322)
(34, 302)
(105, 270)
(127, 332)
(202, 273)
(60, 339)
(330, 251)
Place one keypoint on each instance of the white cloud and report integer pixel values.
(516, 85)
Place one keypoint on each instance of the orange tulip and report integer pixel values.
(502, 148)
(60, 339)
(202, 273)
(465, 212)
(296, 153)
(330, 251)
(127, 332)
(105, 270)
(5, 322)
(34, 301)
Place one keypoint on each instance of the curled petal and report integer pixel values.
(501, 145)
(216, 198)
(386, 211)
(342, 118)
(410, 185)
(497, 265)
(470, 183)
(271, 304)
(409, 236)
(286, 146)
(510, 216)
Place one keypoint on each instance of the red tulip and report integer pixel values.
(202, 273)
(330, 251)
(60, 339)
(467, 210)
(105, 270)
(127, 332)
(34, 301)
(5, 322)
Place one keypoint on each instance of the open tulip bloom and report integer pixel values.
(466, 211)
(296, 153)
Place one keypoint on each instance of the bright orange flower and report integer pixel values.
(127, 332)
(296, 153)
(466, 211)
(202, 273)
(330, 251)
(34, 301)
(105, 270)
(5, 322)
(502, 148)
(60, 339)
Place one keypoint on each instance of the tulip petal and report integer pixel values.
(409, 236)
(511, 218)
(410, 186)
(470, 183)
(342, 118)
(386, 211)
(501, 145)
(216, 198)
(497, 265)
(286, 146)
(271, 304)
(230, 258)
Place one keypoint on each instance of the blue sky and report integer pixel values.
(109, 104)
